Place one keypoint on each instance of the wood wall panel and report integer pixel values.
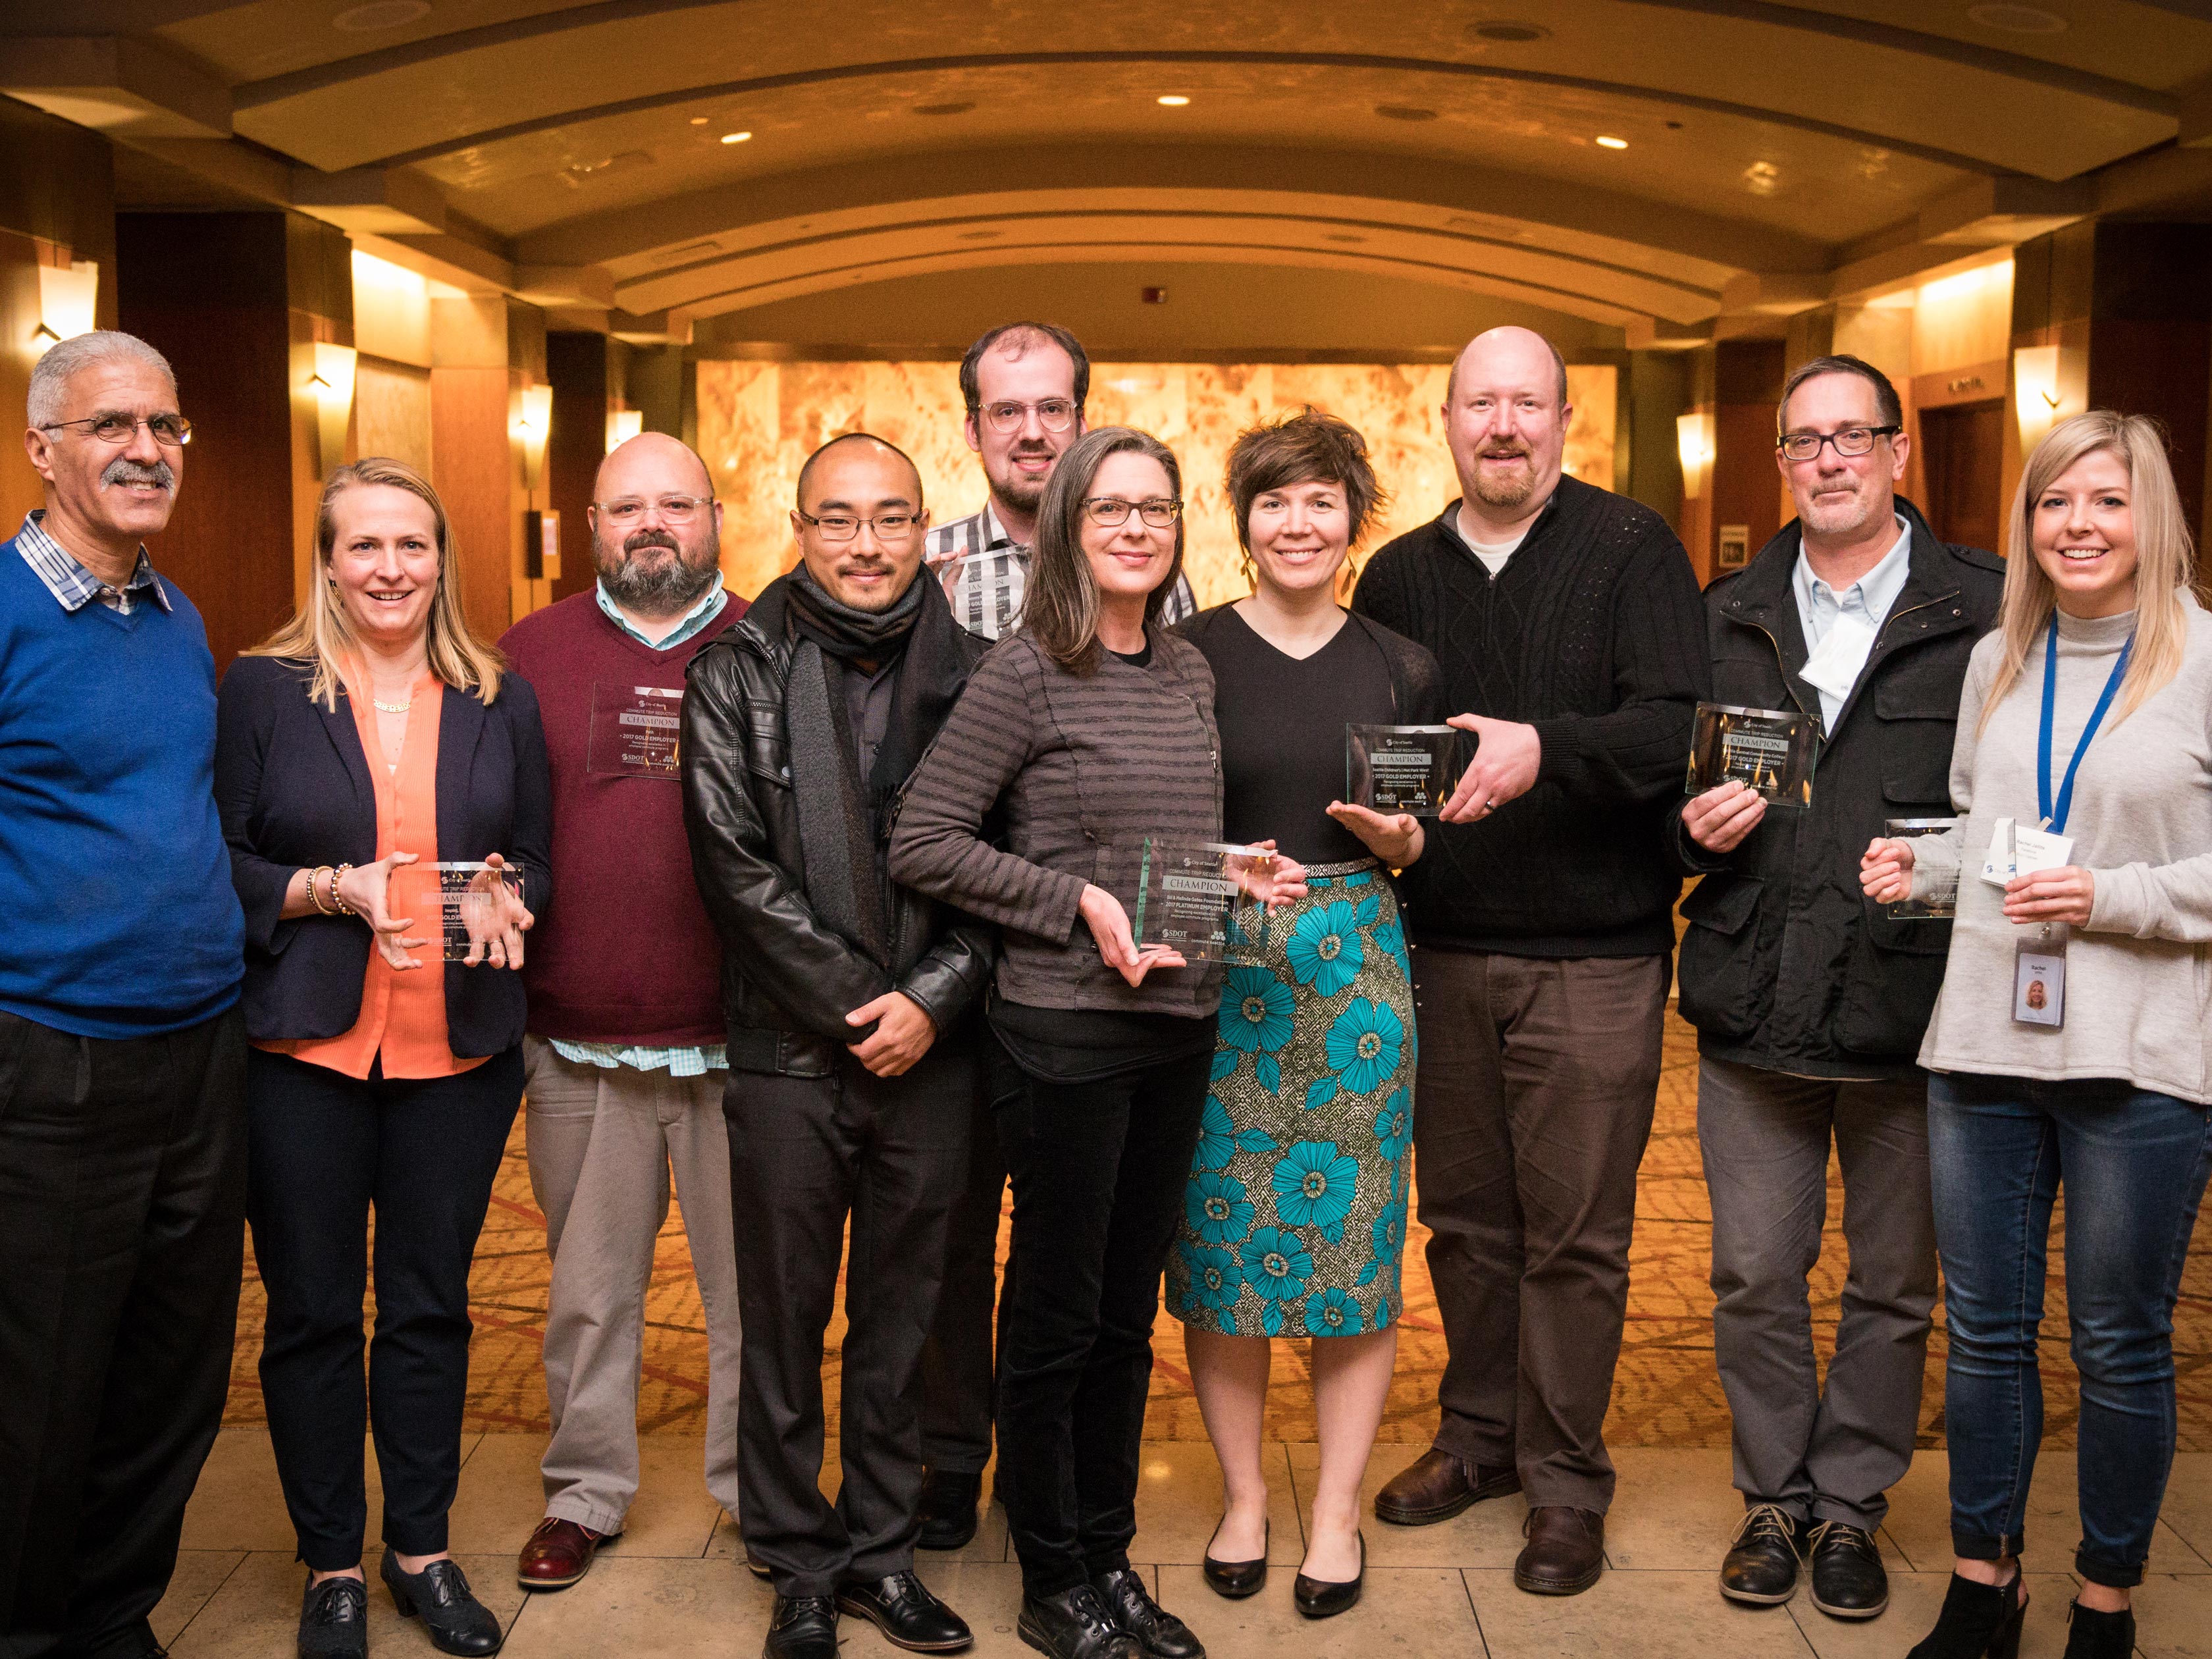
(473, 465)
(576, 366)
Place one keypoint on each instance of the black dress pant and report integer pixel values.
(326, 1148)
(1099, 1170)
(806, 1153)
(122, 1184)
(959, 1393)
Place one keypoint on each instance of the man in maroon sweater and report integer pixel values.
(625, 1054)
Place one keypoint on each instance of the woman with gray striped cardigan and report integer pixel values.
(1090, 729)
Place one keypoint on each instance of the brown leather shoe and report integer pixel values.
(1565, 1552)
(1436, 1485)
(558, 1554)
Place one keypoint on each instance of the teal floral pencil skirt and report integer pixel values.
(1294, 1221)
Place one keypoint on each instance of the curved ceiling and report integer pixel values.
(1659, 167)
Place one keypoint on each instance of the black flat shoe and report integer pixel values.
(2094, 1635)
(802, 1627)
(440, 1594)
(947, 1509)
(1849, 1581)
(901, 1607)
(1234, 1579)
(1159, 1632)
(1978, 1621)
(334, 1619)
(1762, 1565)
(1324, 1598)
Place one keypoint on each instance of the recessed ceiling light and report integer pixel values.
(383, 15)
(2017, 20)
(1606, 141)
(1173, 100)
(1762, 178)
(735, 137)
(1513, 33)
(1405, 113)
(698, 120)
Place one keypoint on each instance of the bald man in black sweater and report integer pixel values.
(1571, 636)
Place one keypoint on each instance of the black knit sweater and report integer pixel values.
(1595, 634)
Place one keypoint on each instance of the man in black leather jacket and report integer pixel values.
(1810, 1003)
(853, 1062)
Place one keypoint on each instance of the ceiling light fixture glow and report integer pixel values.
(735, 137)
(698, 120)
(1606, 141)
(1173, 100)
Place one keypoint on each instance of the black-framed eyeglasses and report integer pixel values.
(1107, 511)
(1852, 443)
(170, 431)
(843, 526)
(1053, 415)
(673, 509)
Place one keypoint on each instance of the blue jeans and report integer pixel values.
(2133, 1164)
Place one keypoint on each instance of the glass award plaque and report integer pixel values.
(633, 730)
(1404, 768)
(1934, 868)
(469, 904)
(1196, 897)
(1771, 749)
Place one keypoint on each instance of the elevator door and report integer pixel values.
(1962, 458)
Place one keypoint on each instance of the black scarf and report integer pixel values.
(842, 819)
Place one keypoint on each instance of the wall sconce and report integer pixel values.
(622, 425)
(333, 387)
(2047, 386)
(534, 426)
(1694, 441)
(68, 296)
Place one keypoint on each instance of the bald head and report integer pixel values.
(1505, 419)
(860, 520)
(860, 447)
(656, 529)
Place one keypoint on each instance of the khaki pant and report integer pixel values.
(1537, 1082)
(601, 1143)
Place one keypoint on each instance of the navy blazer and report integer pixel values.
(292, 785)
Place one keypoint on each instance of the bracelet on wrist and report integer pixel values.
(315, 898)
(337, 898)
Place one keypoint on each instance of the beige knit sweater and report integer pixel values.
(2139, 978)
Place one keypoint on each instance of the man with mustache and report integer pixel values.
(854, 1069)
(122, 1045)
(1024, 385)
(625, 1052)
(1568, 624)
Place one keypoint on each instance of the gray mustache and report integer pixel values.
(124, 470)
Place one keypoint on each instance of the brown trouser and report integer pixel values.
(1536, 1086)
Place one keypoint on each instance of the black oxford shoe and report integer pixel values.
(441, 1596)
(1760, 1567)
(802, 1627)
(334, 1619)
(1075, 1625)
(1145, 1621)
(901, 1607)
(1849, 1581)
(947, 1509)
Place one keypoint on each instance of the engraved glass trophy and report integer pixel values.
(1934, 868)
(633, 730)
(1202, 898)
(1404, 768)
(1770, 749)
(464, 907)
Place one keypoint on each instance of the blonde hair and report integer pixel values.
(319, 632)
(2165, 555)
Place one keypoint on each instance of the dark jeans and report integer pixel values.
(806, 1153)
(959, 1392)
(122, 1185)
(2133, 1164)
(1537, 1081)
(1824, 1448)
(1099, 1171)
(327, 1148)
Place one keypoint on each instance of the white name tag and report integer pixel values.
(2017, 852)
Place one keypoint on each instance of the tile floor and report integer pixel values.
(673, 1586)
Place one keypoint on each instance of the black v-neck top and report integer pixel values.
(1282, 720)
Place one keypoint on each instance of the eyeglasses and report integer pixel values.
(842, 527)
(1852, 440)
(1053, 415)
(673, 509)
(170, 431)
(1106, 511)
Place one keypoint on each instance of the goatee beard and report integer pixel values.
(1510, 492)
(1022, 494)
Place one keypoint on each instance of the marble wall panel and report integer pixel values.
(759, 421)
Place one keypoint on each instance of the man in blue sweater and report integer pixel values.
(122, 1048)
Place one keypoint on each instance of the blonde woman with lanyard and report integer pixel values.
(2069, 1042)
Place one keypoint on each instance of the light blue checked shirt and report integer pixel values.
(75, 586)
(680, 1062)
(1868, 600)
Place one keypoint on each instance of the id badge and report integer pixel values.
(2038, 978)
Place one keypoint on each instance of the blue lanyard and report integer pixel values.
(2055, 817)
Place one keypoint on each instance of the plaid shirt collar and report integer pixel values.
(74, 587)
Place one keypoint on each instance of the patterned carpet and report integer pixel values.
(1666, 1393)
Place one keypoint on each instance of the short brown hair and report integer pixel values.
(1304, 447)
(1887, 404)
(1061, 611)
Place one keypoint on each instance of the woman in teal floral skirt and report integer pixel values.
(1294, 1222)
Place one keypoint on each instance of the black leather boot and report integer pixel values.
(2094, 1635)
(1978, 1621)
